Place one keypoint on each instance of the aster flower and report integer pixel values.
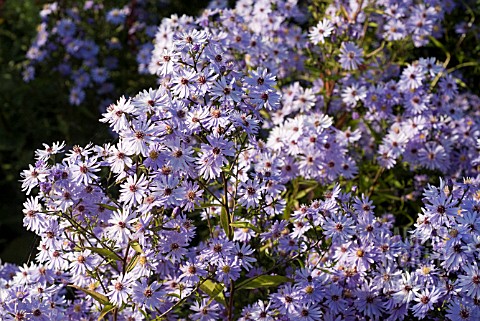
(412, 77)
(192, 272)
(133, 190)
(205, 310)
(339, 227)
(183, 84)
(82, 262)
(243, 254)
(121, 225)
(321, 31)
(118, 159)
(426, 299)
(116, 114)
(228, 269)
(350, 56)
(287, 300)
(308, 312)
(147, 295)
(83, 171)
(48, 151)
(462, 310)
(470, 282)
(120, 289)
(34, 220)
(138, 139)
(226, 91)
(150, 100)
(31, 178)
(250, 192)
(163, 63)
(261, 80)
(168, 190)
(369, 301)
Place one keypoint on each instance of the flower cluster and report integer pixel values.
(84, 44)
(240, 187)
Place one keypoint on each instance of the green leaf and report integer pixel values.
(105, 253)
(133, 262)
(214, 291)
(242, 224)
(263, 281)
(106, 309)
(108, 207)
(102, 299)
(136, 246)
(224, 222)
(304, 192)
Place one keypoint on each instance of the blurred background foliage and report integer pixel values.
(38, 112)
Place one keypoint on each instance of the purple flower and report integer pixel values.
(120, 289)
(350, 56)
(426, 299)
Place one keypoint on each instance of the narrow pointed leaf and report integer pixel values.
(106, 309)
(105, 253)
(241, 224)
(263, 281)
(102, 299)
(214, 291)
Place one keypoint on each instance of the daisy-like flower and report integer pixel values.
(34, 220)
(321, 31)
(228, 269)
(261, 79)
(138, 139)
(120, 289)
(243, 254)
(168, 191)
(462, 310)
(426, 298)
(180, 155)
(353, 94)
(81, 262)
(205, 310)
(147, 295)
(183, 84)
(287, 300)
(119, 160)
(412, 77)
(164, 62)
(433, 156)
(116, 114)
(225, 92)
(369, 301)
(213, 156)
(308, 312)
(83, 171)
(45, 154)
(339, 227)
(192, 272)
(193, 195)
(350, 56)
(262, 312)
(251, 193)
(31, 178)
(149, 100)
(121, 226)
(133, 190)
(470, 282)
